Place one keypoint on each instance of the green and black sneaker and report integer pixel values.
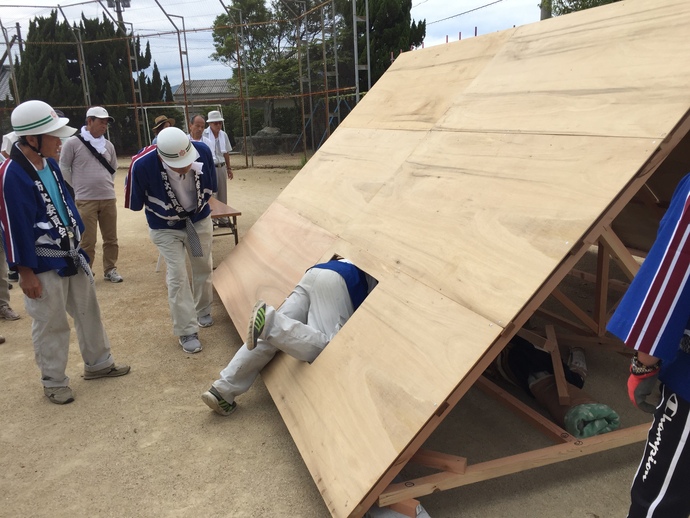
(216, 402)
(257, 322)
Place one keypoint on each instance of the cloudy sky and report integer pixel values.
(445, 18)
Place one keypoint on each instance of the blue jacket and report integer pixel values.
(355, 280)
(25, 221)
(144, 187)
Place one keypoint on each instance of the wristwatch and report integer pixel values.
(637, 367)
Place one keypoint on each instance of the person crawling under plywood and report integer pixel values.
(531, 369)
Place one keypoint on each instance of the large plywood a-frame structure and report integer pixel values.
(469, 182)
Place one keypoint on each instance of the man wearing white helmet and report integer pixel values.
(42, 231)
(89, 163)
(173, 180)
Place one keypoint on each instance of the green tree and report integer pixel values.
(560, 7)
(267, 43)
(49, 70)
(267, 52)
(391, 30)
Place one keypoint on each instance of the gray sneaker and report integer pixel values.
(109, 372)
(113, 276)
(59, 395)
(215, 402)
(190, 343)
(205, 321)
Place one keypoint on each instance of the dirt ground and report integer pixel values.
(146, 446)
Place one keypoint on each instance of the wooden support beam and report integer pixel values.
(568, 340)
(575, 310)
(614, 284)
(619, 252)
(513, 464)
(601, 290)
(526, 412)
(440, 461)
(558, 373)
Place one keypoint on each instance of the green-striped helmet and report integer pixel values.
(39, 118)
(175, 148)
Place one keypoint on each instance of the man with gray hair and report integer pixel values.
(197, 124)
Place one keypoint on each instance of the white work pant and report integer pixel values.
(303, 325)
(4, 281)
(187, 302)
(222, 188)
(50, 329)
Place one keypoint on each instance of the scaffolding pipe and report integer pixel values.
(80, 58)
(12, 74)
(179, 44)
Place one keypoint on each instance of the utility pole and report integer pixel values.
(119, 6)
(545, 9)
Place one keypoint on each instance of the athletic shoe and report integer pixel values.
(8, 313)
(109, 372)
(190, 343)
(13, 276)
(216, 402)
(113, 276)
(257, 323)
(59, 395)
(205, 321)
(577, 362)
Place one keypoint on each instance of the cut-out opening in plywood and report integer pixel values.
(470, 201)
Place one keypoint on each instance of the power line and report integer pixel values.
(460, 14)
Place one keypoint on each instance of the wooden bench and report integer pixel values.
(221, 210)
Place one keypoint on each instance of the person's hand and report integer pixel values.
(640, 387)
(230, 175)
(29, 283)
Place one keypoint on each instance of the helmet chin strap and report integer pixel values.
(40, 142)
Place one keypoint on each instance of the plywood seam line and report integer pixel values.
(543, 133)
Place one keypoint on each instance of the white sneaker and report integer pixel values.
(8, 313)
(113, 276)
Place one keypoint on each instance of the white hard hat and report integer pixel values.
(39, 118)
(214, 116)
(175, 148)
(99, 112)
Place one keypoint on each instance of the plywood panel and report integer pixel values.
(463, 182)
(420, 86)
(586, 74)
(464, 220)
(386, 379)
(268, 262)
(355, 165)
